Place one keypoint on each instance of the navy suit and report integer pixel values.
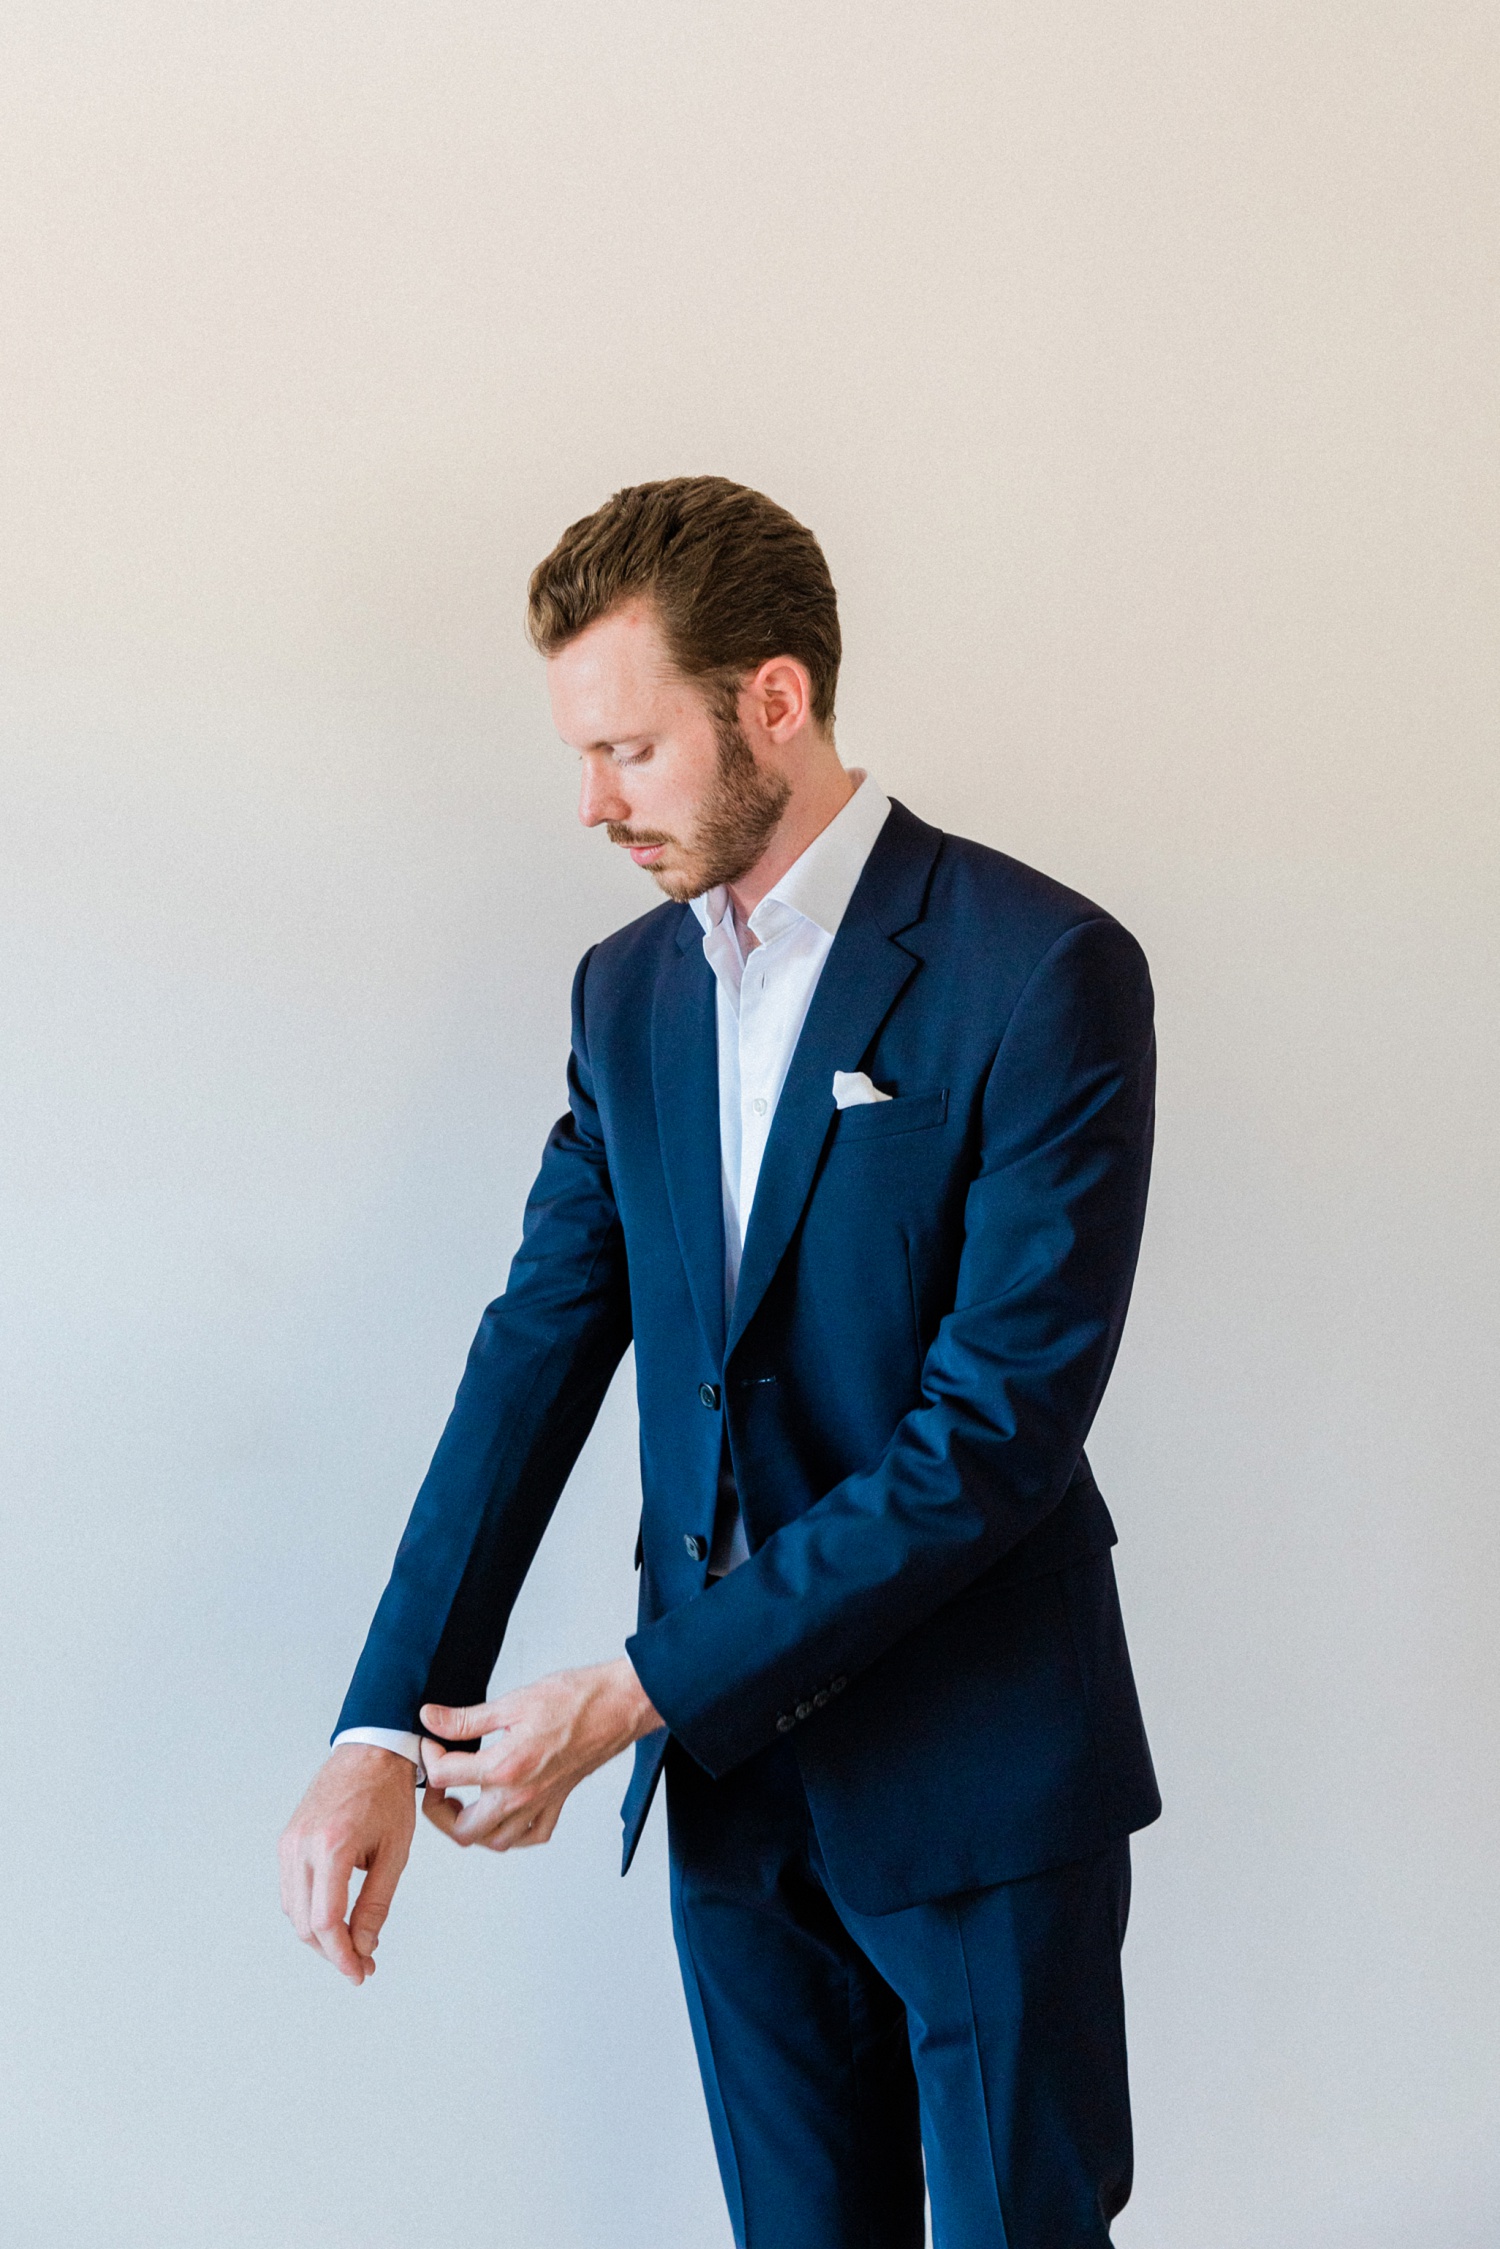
(920, 1674)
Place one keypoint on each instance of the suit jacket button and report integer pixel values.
(837, 1686)
(804, 1710)
(697, 1547)
(784, 1724)
(708, 1395)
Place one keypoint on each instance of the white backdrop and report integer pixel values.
(1136, 364)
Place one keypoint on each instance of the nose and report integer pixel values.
(599, 797)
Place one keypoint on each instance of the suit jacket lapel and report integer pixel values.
(862, 977)
(685, 1076)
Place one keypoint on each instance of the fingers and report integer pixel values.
(523, 1828)
(495, 1764)
(455, 1723)
(504, 1824)
(452, 1768)
(491, 1809)
(330, 1903)
(441, 1810)
(374, 1903)
(296, 1889)
(462, 1768)
(540, 1830)
(495, 1820)
(472, 1823)
(289, 1868)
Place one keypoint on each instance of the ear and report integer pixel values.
(780, 695)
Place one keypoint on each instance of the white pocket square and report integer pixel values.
(852, 1087)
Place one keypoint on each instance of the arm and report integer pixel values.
(536, 1377)
(1009, 1387)
(535, 1380)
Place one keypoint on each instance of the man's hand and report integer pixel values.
(359, 1812)
(549, 1736)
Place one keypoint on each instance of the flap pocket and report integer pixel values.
(907, 1112)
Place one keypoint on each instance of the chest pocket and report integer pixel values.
(882, 1120)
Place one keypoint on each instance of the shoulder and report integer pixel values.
(1045, 968)
(994, 908)
(973, 882)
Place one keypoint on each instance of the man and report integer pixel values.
(856, 1152)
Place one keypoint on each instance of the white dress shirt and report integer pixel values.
(764, 992)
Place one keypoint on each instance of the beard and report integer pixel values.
(738, 819)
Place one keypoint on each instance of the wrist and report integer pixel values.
(639, 1713)
(377, 1761)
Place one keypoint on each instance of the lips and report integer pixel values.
(646, 854)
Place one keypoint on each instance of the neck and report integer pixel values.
(818, 798)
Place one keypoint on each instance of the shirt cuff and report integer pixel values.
(383, 1737)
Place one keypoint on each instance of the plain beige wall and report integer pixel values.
(1136, 363)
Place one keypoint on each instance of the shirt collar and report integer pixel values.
(819, 884)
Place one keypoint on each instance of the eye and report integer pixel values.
(633, 757)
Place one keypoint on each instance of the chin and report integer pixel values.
(677, 883)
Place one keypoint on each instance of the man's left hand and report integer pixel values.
(548, 1737)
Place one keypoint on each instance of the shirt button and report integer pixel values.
(697, 1547)
(708, 1395)
(758, 1105)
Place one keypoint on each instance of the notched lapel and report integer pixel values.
(864, 975)
(685, 1079)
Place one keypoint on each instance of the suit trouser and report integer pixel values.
(985, 2031)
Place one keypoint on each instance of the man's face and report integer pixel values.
(675, 783)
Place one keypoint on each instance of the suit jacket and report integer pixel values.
(930, 1300)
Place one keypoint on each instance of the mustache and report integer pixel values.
(641, 838)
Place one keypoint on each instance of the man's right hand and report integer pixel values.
(360, 1812)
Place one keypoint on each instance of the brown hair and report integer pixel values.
(733, 577)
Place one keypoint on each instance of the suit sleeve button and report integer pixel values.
(804, 1710)
(708, 1395)
(697, 1547)
(820, 1699)
(784, 1724)
(837, 1686)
